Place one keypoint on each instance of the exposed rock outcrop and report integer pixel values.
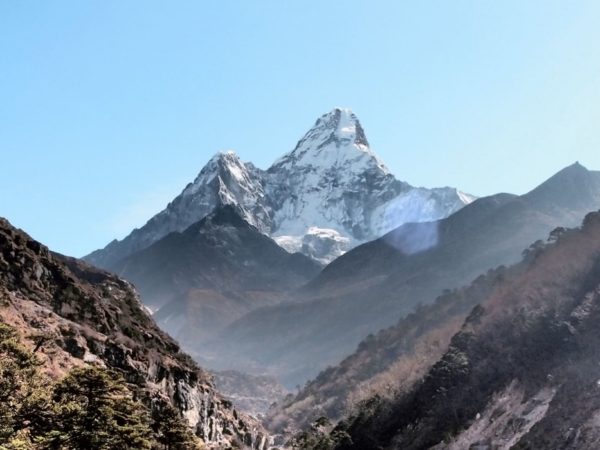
(73, 314)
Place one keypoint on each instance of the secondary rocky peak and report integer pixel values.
(224, 155)
(224, 180)
(223, 158)
(575, 168)
(573, 171)
(572, 186)
(227, 215)
(225, 165)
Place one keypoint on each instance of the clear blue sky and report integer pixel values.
(108, 108)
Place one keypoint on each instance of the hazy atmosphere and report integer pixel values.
(108, 109)
(300, 225)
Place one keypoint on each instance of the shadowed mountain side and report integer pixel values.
(374, 285)
(522, 372)
(388, 362)
(218, 269)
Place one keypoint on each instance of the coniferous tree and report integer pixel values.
(171, 430)
(94, 410)
(20, 385)
(91, 408)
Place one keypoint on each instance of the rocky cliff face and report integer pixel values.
(331, 182)
(74, 314)
(251, 393)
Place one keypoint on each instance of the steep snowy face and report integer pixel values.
(336, 140)
(330, 180)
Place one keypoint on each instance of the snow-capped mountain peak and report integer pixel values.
(330, 193)
(229, 181)
(336, 140)
(223, 165)
(340, 125)
(226, 180)
(330, 180)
